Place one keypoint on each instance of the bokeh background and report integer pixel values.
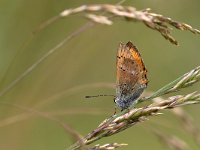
(85, 65)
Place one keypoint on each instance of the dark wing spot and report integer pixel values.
(122, 69)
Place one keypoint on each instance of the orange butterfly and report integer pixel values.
(131, 76)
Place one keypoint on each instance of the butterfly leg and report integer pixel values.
(115, 111)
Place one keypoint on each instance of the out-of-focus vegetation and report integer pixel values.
(85, 65)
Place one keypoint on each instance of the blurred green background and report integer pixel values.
(85, 65)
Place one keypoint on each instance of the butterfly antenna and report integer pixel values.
(98, 96)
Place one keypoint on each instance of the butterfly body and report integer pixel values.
(131, 76)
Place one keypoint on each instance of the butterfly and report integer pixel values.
(131, 76)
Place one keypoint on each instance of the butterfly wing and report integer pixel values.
(131, 75)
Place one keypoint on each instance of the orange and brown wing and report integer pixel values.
(131, 73)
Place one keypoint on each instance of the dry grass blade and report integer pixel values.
(54, 98)
(152, 20)
(183, 81)
(119, 123)
(178, 100)
(172, 142)
(41, 59)
(189, 79)
(188, 123)
(75, 135)
(108, 146)
(128, 118)
(100, 19)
